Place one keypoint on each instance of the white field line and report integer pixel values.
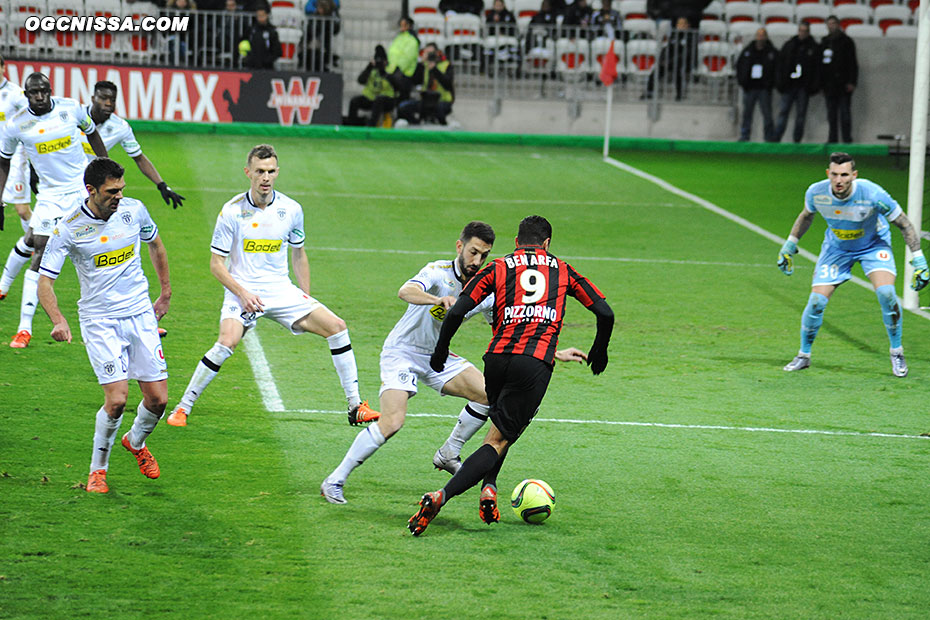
(702, 427)
(732, 217)
(262, 371)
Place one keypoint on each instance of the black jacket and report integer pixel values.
(799, 65)
(506, 24)
(762, 77)
(266, 47)
(838, 67)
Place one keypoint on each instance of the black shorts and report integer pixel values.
(515, 385)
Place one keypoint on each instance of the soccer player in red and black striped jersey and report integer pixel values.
(530, 287)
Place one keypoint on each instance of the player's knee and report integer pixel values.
(817, 303)
(886, 296)
(337, 325)
(156, 403)
(115, 406)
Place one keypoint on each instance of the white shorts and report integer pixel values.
(400, 369)
(16, 191)
(49, 209)
(285, 303)
(125, 348)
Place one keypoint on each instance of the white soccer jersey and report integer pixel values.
(256, 240)
(53, 143)
(106, 257)
(113, 131)
(419, 327)
(12, 100)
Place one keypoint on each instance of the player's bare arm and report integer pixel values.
(571, 354)
(61, 331)
(910, 234)
(147, 168)
(250, 301)
(301, 266)
(802, 223)
(159, 256)
(414, 294)
(96, 143)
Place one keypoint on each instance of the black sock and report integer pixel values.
(473, 469)
(491, 476)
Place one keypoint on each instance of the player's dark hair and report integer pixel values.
(839, 157)
(804, 22)
(105, 85)
(101, 169)
(834, 18)
(478, 230)
(260, 151)
(534, 230)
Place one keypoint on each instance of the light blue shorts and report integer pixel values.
(834, 266)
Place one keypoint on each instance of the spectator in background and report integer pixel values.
(310, 7)
(839, 73)
(228, 33)
(500, 21)
(181, 44)
(321, 28)
(434, 78)
(461, 6)
(263, 45)
(578, 13)
(378, 94)
(755, 72)
(607, 22)
(677, 58)
(541, 29)
(796, 78)
(402, 56)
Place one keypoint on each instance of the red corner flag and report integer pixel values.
(609, 66)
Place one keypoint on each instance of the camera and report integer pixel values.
(432, 57)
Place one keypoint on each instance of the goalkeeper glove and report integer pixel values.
(170, 196)
(437, 360)
(785, 262)
(921, 272)
(597, 358)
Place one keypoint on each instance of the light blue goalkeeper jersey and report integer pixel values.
(860, 221)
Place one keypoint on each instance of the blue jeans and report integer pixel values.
(764, 97)
(798, 96)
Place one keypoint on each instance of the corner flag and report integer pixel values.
(609, 66)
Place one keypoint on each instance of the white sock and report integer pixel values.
(19, 256)
(205, 373)
(104, 435)
(367, 441)
(24, 224)
(471, 418)
(142, 426)
(27, 308)
(344, 361)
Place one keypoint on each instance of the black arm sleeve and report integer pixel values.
(453, 320)
(597, 356)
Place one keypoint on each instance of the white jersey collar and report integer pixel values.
(248, 197)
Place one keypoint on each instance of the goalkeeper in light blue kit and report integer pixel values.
(857, 213)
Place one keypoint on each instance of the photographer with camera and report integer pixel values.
(378, 94)
(434, 81)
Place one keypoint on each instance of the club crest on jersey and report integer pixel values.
(63, 116)
(85, 231)
(109, 368)
(160, 354)
(402, 377)
(282, 213)
(127, 218)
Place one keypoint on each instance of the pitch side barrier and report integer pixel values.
(469, 137)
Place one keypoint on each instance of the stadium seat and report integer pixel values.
(287, 17)
(4, 24)
(903, 31)
(837, 3)
(65, 44)
(913, 5)
(140, 46)
(741, 33)
(776, 12)
(102, 45)
(850, 14)
(21, 39)
(463, 36)
(640, 28)
(641, 56)
(887, 15)
(712, 30)
(419, 8)
(863, 31)
(525, 10)
(632, 9)
(572, 56)
(877, 3)
(290, 4)
(714, 10)
(715, 59)
(539, 59)
(431, 28)
(812, 12)
(739, 11)
(781, 30)
(819, 31)
(290, 41)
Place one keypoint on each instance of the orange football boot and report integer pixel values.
(147, 463)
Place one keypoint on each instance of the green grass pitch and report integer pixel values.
(668, 505)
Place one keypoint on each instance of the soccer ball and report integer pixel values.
(532, 501)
